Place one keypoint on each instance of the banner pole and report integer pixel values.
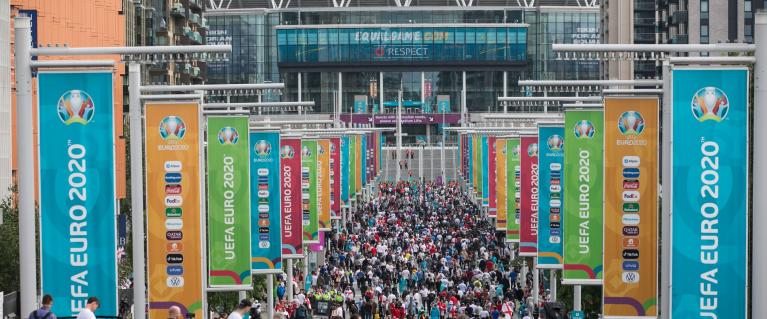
(536, 284)
(553, 284)
(759, 280)
(26, 172)
(137, 190)
(270, 295)
(289, 284)
(577, 298)
(665, 257)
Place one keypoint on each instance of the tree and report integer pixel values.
(9, 244)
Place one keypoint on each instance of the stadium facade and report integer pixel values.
(353, 56)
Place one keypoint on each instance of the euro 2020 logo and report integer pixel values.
(555, 143)
(228, 135)
(172, 128)
(532, 150)
(710, 103)
(75, 106)
(263, 148)
(584, 129)
(631, 123)
(306, 152)
(515, 151)
(286, 151)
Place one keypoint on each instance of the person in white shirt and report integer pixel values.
(90, 307)
(242, 308)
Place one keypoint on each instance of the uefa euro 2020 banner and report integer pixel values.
(491, 181)
(173, 185)
(309, 198)
(77, 190)
(528, 239)
(345, 162)
(584, 132)
(500, 184)
(631, 207)
(335, 178)
(485, 171)
(265, 211)
(709, 193)
(323, 184)
(550, 162)
(228, 202)
(290, 181)
(513, 198)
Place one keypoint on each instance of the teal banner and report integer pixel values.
(710, 193)
(345, 170)
(265, 214)
(550, 163)
(77, 190)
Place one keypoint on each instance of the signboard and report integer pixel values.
(175, 262)
(407, 119)
(528, 241)
(360, 104)
(345, 164)
(709, 202)
(513, 197)
(292, 215)
(265, 211)
(77, 190)
(335, 178)
(443, 103)
(228, 163)
(551, 138)
(323, 184)
(583, 200)
(309, 193)
(492, 209)
(631, 260)
(500, 184)
(485, 168)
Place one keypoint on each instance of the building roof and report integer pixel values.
(281, 4)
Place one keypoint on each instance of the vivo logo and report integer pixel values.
(630, 265)
(174, 270)
(172, 166)
(631, 161)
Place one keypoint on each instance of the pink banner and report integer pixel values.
(319, 246)
(290, 180)
(492, 212)
(528, 242)
(335, 178)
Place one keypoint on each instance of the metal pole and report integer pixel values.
(270, 295)
(420, 162)
(26, 172)
(242, 294)
(464, 108)
(505, 91)
(137, 189)
(536, 282)
(380, 94)
(300, 87)
(553, 284)
(759, 280)
(339, 105)
(524, 273)
(665, 283)
(577, 298)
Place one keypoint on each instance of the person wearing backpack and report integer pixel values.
(301, 312)
(45, 311)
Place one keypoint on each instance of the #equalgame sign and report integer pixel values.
(174, 246)
(709, 201)
(513, 183)
(290, 193)
(584, 131)
(528, 241)
(309, 200)
(77, 190)
(631, 207)
(551, 160)
(228, 202)
(265, 208)
(500, 181)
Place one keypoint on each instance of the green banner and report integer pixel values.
(584, 131)
(228, 201)
(512, 189)
(309, 196)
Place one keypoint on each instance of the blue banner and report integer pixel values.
(709, 193)
(345, 170)
(77, 190)
(485, 172)
(550, 162)
(265, 215)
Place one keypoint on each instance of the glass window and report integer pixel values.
(704, 30)
(704, 6)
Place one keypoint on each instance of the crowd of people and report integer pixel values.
(417, 250)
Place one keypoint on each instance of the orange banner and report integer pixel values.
(500, 183)
(631, 207)
(323, 184)
(174, 241)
